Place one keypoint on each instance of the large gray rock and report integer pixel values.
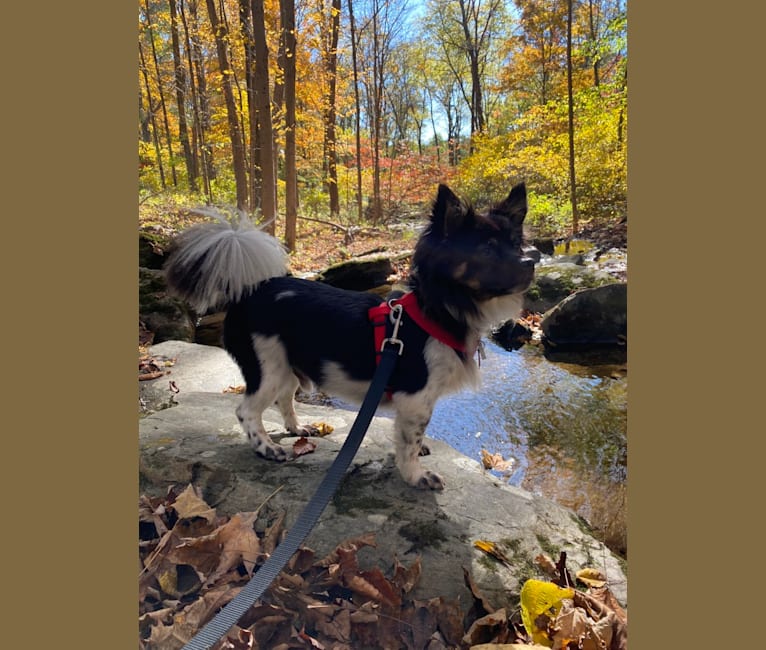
(200, 441)
(589, 317)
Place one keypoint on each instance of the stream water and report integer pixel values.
(562, 426)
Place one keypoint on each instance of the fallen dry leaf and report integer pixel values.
(237, 390)
(320, 429)
(591, 577)
(228, 546)
(189, 505)
(547, 564)
(496, 462)
(490, 548)
(303, 446)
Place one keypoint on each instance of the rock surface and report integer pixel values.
(198, 440)
(167, 317)
(589, 317)
(360, 273)
(556, 280)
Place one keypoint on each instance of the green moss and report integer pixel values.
(423, 533)
(345, 504)
(582, 524)
(523, 563)
(488, 563)
(548, 547)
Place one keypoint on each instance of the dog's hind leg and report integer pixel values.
(270, 383)
(286, 406)
(412, 416)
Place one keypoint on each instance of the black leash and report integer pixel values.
(233, 611)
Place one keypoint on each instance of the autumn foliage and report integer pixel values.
(413, 94)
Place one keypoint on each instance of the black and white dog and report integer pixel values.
(469, 272)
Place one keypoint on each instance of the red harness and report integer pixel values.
(379, 315)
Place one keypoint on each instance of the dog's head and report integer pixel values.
(479, 254)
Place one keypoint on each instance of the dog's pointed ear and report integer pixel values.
(515, 205)
(448, 213)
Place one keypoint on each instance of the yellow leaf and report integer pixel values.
(490, 548)
(538, 598)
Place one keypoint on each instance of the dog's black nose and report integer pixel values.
(531, 254)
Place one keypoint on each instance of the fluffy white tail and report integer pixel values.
(214, 264)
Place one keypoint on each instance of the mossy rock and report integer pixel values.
(168, 317)
(555, 282)
(150, 253)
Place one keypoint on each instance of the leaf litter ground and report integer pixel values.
(194, 561)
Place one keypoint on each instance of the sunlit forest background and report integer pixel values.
(351, 112)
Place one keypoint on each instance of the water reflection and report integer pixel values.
(564, 425)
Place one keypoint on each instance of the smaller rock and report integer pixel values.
(511, 335)
(545, 245)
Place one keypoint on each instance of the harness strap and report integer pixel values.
(410, 304)
(378, 316)
(253, 590)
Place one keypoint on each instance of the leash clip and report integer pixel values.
(395, 316)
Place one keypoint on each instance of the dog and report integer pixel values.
(469, 271)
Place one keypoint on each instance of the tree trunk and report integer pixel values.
(200, 149)
(144, 117)
(265, 131)
(253, 159)
(377, 118)
(208, 165)
(180, 77)
(287, 10)
(358, 110)
(593, 26)
(570, 98)
(235, 133)
(152, 118)
(331, 69)
(161, 93)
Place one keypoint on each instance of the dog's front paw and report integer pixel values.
(430, 481)
(271, 451)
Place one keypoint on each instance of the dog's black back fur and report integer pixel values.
(318, 323)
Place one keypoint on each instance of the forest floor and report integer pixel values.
(321, 244)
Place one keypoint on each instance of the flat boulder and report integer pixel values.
(200, 441)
